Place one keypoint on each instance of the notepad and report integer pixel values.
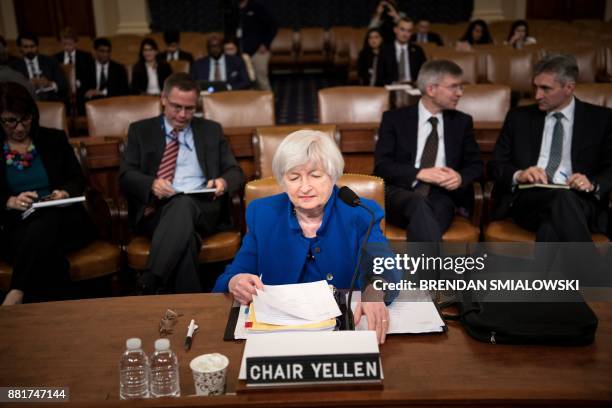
(52, 203)
(539, 185)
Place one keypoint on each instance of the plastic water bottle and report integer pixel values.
(164, 378)
(134, 371)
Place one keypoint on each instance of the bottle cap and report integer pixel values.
(162, 344)
(133, 344)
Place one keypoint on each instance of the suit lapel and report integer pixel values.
(158, 136)
(199, 141)
(535, 137)
(412, 131)
(448, 137)
(579, 131)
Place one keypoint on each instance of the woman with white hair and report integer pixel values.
(307, 233)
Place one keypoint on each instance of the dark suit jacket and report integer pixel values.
(52, 71)
(144, 151)
(83, 63)
(519, 142)
(117, 82)
(396, 149)
(140, 79)
(235, 71)
(183, 56)
(391, 70)
(364, 64)
(61, 165)
(431, 37)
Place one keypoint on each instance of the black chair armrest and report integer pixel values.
(478, 204)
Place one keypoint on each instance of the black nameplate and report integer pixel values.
(317, 368)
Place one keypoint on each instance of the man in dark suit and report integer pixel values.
(107, 77)
(559, 141)
(43, 72)
(218, 66)
(427, 155)
(82, 62)
(423, 35)
(402, 60)
(173, 153)
(173, 52)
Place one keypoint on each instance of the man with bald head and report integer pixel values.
(219, 67)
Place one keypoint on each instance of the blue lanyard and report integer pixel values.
(177, 139)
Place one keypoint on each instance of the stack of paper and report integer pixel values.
(297, 307)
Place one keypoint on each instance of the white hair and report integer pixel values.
(308, 146)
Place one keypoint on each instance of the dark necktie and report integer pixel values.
(430, 152)
(103, 79)
(402, 65)
(168, 163)
(217, 71)
(70, 58)
(556, 148)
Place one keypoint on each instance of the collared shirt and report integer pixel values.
(153, 82)
(188, 174)
(424, 130)
(172, 56)
(33, 67)
(398, 53)
(70, 57)
(565, 168)
(211, 72)
(99, 69)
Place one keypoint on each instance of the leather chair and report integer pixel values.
(267, 139)
(53, 115)
(313, 46)
(179, 66)
(590, 61)
(339, 39)
(240, 112)
(468, 61)
(352, 104)
(113, 116)
(507, 231)
(595, 93)
(363, 185)
(283, 48)
(511, 67)
(355, 44)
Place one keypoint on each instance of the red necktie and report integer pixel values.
(168, 162)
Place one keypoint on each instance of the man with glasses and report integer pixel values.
(428, 156)
(164, 157)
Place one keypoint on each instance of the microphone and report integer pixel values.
(349, 197)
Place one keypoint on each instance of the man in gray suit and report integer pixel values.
(165, 156)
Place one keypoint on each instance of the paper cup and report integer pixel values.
(209, 373)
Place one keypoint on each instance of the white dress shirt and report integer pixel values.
(33, 67)
(398, 52)
(211, 72)
(564, 171)
(99, 69)
(423, 133)
(172, 56)
(68, 55)
(153, 82)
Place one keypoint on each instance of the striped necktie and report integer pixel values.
(556, 148)
(168, 163)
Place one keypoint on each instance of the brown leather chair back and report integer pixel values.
(53, 115)
(69, 74)
(593, 93)
(352, 104)
(113, 116)
(267, 139)
(466, 60)
(590, 61)
(511, 67)
(179, 66)
(313, 45)
(283, 47)
(485, 102)
(370, 187)
(339, 40)
(240, 108)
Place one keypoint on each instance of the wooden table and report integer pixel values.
(78, 344)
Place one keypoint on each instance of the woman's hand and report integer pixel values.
(377, 315)
(21, 202)
(243, 286)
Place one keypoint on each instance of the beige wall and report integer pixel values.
(8, 25)
(493, 10)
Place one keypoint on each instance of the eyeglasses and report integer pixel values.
(12, 123)
(177, 108)
(452, 88)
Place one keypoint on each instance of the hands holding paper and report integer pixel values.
(243, 286)
(376, 313)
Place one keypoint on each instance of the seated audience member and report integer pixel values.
(43, 72)
(318, 235)
(167, 154)
(518, 36)
(423, 35)
(560, 140)
(37, 162)
(82, 62)
(369, 63)
(385, 18)
(150, 72)
(109, 77)
(230, 47)
(8, 74)
(477, 33)
(220, 67)
(402, 60)
(173, 52)
(427, 155)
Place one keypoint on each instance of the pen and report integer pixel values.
(190, 331)
(564, 175)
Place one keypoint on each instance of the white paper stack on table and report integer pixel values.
(296, 307)
(411, 312)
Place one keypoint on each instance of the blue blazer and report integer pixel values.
(235, 71)
(275, 248)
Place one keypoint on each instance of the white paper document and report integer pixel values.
(295, 303)
(409, 313)
(308, 344)
(52, 203)
(199, 191)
